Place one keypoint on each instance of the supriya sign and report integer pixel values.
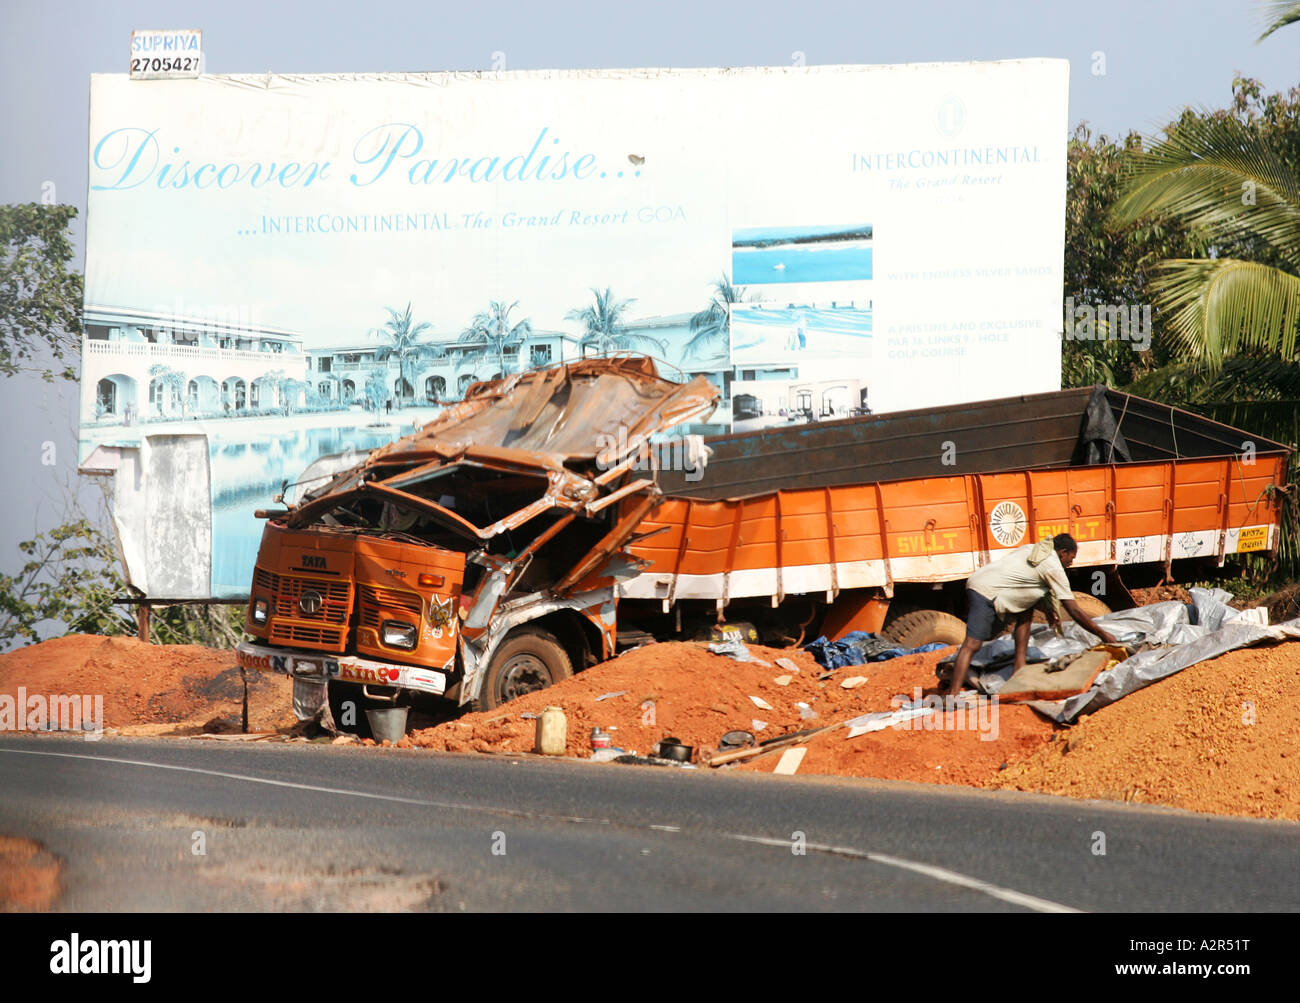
(166, 55)
(284, 267)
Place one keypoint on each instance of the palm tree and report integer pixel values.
(711, 327)
(1278, 14)
(1216, 173)
(604, 330)
(405, 337)
(493, 327)
(1236, 312)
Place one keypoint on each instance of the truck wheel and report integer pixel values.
(527, 661)
(923, 626)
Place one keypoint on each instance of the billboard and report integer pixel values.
(284, 267)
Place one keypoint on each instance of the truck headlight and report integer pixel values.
(259, 611)
(399, 635)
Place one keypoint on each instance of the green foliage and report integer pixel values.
(68, 586)
(1167, 225)
(1230, 176)
(1107, 263)
(214, 626)
(1278, 14)
(70, 579)
(1260, 394)
(40, 299)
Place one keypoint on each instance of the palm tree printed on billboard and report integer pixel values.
(711, 327)
(491, 333)
(405, 337)
(604, 330)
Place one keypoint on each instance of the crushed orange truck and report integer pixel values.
(543, 523)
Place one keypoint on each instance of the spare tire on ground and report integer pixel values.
(926, 626)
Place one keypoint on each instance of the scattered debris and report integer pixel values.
(611, 696)
(883, 719)
(859, 647)
(672, 748)
(788, 665)
(734, 649)
(790, 760)
(760, 703)
(757, 725)
(853, 682)
(736, 740)
(783, 680)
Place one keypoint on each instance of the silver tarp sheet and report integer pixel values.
(1162, 639)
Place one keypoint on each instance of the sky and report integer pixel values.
(1133, 66)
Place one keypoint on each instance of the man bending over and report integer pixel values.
(1007, 590)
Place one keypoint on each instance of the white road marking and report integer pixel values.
(421, 802)
(928, 870)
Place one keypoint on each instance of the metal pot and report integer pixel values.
(672, 748)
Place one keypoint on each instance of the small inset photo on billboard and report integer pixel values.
(769, 399)
(770, 255)
(793, 332)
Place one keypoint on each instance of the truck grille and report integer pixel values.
(286, 590)
(323, 636)
(375, 600)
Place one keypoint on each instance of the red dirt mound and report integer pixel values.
(682, 690)
(1221, 737)
(147, 687)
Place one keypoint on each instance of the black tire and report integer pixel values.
(527, 661)
(924, 626)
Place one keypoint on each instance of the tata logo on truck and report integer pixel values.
(313, 561)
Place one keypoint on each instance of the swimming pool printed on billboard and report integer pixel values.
(800, 332)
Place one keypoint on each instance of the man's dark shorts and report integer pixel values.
(982, 621)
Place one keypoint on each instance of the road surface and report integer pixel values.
(310, 827)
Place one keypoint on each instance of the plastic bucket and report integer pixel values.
(387, 723)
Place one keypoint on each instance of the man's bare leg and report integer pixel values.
(967, 652)
(1021, 633)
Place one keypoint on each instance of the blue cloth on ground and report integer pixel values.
(859, 647)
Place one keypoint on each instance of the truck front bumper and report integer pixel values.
(323, 668)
